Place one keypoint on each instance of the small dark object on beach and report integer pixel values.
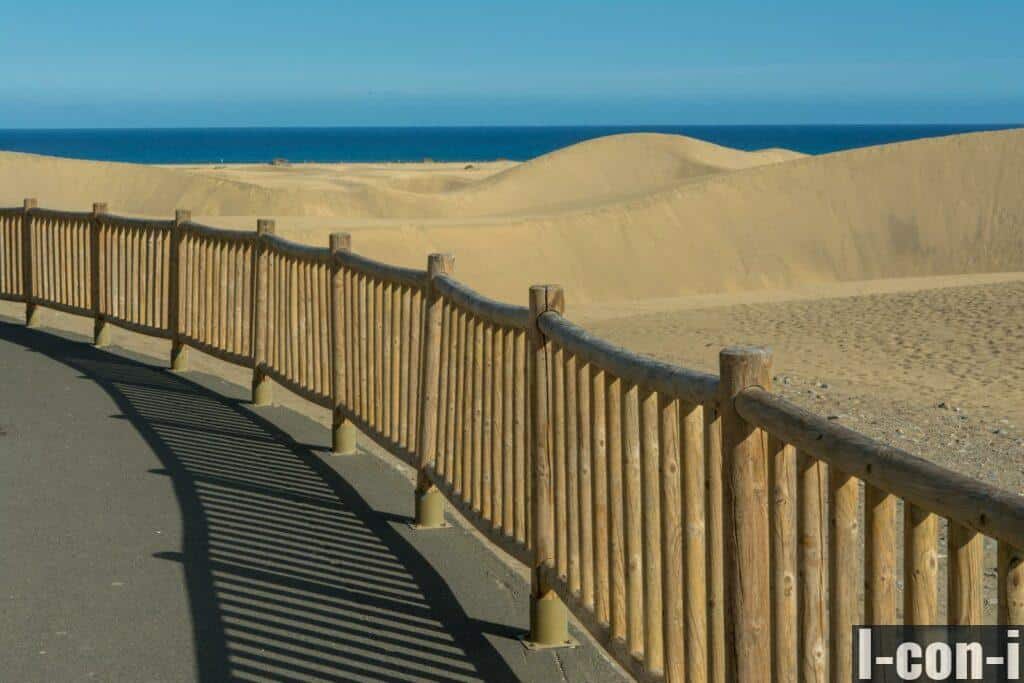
(280, 161)
(467, 167)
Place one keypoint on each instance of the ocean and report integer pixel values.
(365, 144)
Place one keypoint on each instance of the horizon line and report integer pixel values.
(1004, 124)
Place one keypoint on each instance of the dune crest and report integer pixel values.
(620, 218)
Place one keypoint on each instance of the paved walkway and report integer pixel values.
(155, 527)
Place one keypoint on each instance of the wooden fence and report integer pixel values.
(699, 526)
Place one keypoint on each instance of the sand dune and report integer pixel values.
(615, 219)
(930, 207)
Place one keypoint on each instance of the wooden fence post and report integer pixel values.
(261, 316)
(179, 352)
(100, 330)
(429, 500)
(549, 622)
(26, 262)
(747, 532)
(343, 432)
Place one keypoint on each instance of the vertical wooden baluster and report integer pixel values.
(442, 459)
(747, 533)
(572, 482)
(718, 628)
(617, 496)
(364, 353)
(783, 477)
(519, 435)
(498, 479)
(477, 414)
(921, 566)
(634, 529)
(651, 515)
(965, 571)
(599, 496)
(396, 362)
(460, 424)
(1010, 572)
(880, 556)
(135, 255)
(230, 278)
(242, 298)
(389, 383)
(351, 339)
(671, 534)
(302, 375)
(416, 353)
(28, 263)
(813, 599)
(295, 326)
(406, 365)
(467, 408)
(583, 473)
(558, 434)
(695, 511)
(486, 456)
(208, 248)
(144, 274)
(379, 397)
(507, 434)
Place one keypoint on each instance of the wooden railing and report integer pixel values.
(699, 526)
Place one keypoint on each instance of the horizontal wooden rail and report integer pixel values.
(410, 277)
(60, 215)
(133, 222)
(494, 312)
(665, 378)
(296, 250)
(970, 502)
(219, 233)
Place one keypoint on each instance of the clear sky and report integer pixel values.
(392, 62)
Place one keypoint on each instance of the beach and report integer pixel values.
(887, 280)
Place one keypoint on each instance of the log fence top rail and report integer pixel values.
(131, 222)
(218, 233)
(11, 211)
(494, 312)
(665, 378)
(56, 213)
(306, 252)
(411, 277)
(972, 503)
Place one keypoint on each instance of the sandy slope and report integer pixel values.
(621, 218)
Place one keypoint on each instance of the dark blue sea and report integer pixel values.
(250, 145)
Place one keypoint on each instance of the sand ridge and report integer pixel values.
(623, 218)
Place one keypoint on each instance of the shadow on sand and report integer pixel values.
(290, 574)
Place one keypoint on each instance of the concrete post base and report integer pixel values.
(429, 510)
(100, 334)
(549, 623)
(179, 357)
(31, 315)
(261, 389)
(343, 437)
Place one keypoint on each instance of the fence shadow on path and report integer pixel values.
(290, 573)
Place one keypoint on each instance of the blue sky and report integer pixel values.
(333, 62)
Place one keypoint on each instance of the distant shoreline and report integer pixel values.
(477, 144)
